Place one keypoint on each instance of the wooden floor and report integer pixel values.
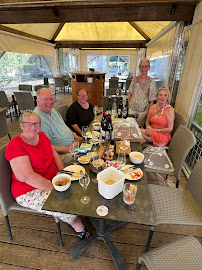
(36, 246)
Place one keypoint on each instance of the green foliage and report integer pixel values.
(198, 118)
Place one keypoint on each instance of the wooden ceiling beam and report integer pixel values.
(101, 44)
(93, 13)
(57, 31)
(20, 33)
(134, 25)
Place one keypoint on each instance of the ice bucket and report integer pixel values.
(110, 191)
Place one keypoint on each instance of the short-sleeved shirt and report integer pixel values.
(76, 114)
(41, 159)
(142, 94)
(55, 128)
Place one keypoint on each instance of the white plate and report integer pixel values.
(84, 159)
(87, 146)
(77, 169)
(96, 141)
(130, 174)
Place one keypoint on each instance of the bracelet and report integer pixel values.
(158, 130)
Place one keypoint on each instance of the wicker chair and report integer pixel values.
(25, 87)
(184, 254)
(113, 83)
(25, 101)
(111, 91)
(37, 87)
(178, 206)
(3, 124)
(5, 103)
(181, 143)
(7, 201)
(63, 111)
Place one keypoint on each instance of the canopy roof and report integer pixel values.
(95, 24)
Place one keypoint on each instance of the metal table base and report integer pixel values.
(102, 232)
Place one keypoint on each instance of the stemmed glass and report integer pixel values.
(121, 160)
(75, 150)
(94, 140)
(95, 112)
(97, 163)
(84, 182)
(84, 132)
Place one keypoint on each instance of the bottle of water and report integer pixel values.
(114, 109)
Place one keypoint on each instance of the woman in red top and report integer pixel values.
(34, 163)
(160, 120)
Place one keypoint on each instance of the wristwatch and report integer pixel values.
(158, 130)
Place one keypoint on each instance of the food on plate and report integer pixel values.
(110, 182)
(106, 152)
(62, 182)
(84, 159)
(135, 175)
(115, 164)
(99, 162)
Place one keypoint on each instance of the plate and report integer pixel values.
(87, 146)
(134, 175)
(96, 141)
(84, 159)
(89, 134)
(112, 163)
(77, 169)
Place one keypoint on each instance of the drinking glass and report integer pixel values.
(117, 92)
(76, 150)
(94, 139)
(84, 132)
(95, 112)
(97, 163)
(84, 182)
(121, 160)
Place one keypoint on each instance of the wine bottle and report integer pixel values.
(112, 137)
(109, 107)
(120, 108)
(125, 110)
(103, 124)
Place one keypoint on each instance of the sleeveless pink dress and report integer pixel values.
(160, 139)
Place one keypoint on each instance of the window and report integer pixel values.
(97, 62)
(118, 65)
(23, 68)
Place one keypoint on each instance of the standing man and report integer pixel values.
(52, 124)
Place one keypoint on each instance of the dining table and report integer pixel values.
(119, 213)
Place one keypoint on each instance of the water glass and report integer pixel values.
(129, 193)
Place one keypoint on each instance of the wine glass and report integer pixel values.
(97, 163)
(84, 182)
(84, 132)
(95, 112)
(121, 160)
(75, 150)
(94, 139)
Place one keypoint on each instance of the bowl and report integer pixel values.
(96, 126)
(136, 157)
(60, 178)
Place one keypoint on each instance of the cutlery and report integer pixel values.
(71, 172)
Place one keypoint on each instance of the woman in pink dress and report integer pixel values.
(160, 120)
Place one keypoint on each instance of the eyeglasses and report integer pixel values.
(47, 99)
(144, 66)
(30, 124)
(82, 95)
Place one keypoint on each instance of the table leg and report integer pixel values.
(101, 234)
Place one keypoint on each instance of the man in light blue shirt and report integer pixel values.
(52, 123)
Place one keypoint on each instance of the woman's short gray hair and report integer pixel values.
(28, 113)
(144, 60)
